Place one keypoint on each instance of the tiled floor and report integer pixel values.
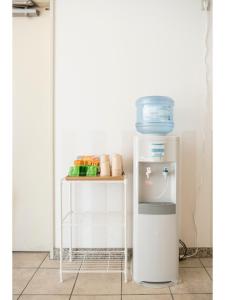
(35, 277)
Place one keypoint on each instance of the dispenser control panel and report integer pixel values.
(157, 150)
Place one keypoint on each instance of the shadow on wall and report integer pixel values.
(127, 150)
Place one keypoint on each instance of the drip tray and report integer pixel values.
(157, 208)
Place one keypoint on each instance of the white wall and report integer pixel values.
(109, 53)
(32, 134)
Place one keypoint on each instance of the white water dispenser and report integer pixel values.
(155, 234)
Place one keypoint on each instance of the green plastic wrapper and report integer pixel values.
(74, 171)
(92, 171)
(83, 170)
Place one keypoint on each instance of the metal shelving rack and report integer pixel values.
(86, 260)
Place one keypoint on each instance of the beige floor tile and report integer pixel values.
(15, 297)
(46, 281)
(193, 297)
(54, 264)
(44, 297)
(99, 297)
(20, 279)
(210, 272)
(98, 284)
(28, 259)
(132, 287)
(190, 263)
(207, 261)
(50, 263)
(147, 297)
(193, 280)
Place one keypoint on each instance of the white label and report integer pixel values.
(157, 150)
(155, 114)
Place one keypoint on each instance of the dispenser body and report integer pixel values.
(155, 206)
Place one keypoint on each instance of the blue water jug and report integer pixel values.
(154, 115)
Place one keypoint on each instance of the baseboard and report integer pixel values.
(202, 251)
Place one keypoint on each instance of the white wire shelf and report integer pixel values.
(104, 260)
(93, 261)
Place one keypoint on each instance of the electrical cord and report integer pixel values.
(206, 115)
(181, 257)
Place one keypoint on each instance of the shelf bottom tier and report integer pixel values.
(87, 261)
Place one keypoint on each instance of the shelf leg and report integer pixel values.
(106, 211)
(71, 222)
(61, 233)
(125, 230)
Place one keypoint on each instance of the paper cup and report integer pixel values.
(116, 161)
(117, 172)
(104, 158)
(105, 169)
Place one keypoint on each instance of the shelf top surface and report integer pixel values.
(95, 178)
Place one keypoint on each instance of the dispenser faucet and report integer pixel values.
(148, 172)
(165, 172)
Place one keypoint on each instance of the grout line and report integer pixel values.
(171, 293)
(18, 268)
(43, 260)
(140, 294)
(192, 293)
(201, 263)
(42, 295)
(49, 268)
(206, 270)
(196, 258)
(115, 294)
(71, 294)
(120, 295)
(208, 273)
(191, 267)
(121, 286)
(32, 277)
(121, 281)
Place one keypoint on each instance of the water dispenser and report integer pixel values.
(155, 237)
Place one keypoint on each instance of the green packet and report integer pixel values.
(92, 171)
(74, 171)
(83, 171)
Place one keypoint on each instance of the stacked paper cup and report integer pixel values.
(117, 168)
(104, 165)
